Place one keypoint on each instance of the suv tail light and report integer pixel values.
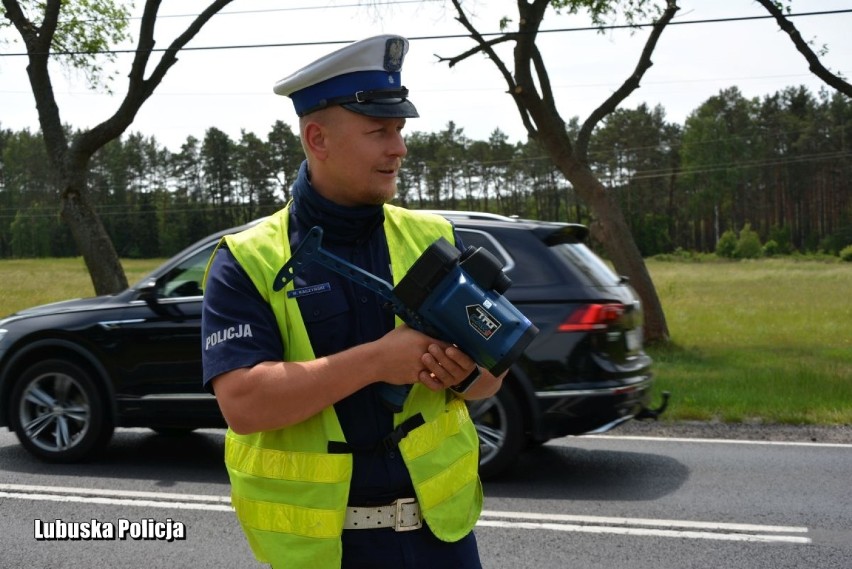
(591, 317)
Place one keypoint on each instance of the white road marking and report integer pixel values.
(116, 497)
(113, 493)
(490, 518)
(646, 527)
(715, 441)
(646, 532)
(641, 522)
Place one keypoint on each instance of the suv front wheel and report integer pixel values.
(58, 413)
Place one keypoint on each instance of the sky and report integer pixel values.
(231, 89)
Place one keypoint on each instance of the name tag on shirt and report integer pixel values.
(308, 290)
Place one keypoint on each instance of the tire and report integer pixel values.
(58, 413)
(500, 426)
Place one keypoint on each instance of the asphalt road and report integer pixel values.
(634, 499)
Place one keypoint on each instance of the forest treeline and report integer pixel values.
(779, 166)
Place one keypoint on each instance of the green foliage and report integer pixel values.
(603, 12)
(680, 255)
(846, 254)
(153, 202)
(85, 34)
(727, 244)
(782, 237)
(745, 246)
(756, 159)
(771, 249)
(837, 240)
(748, 244)
(87, 30)
(674, 185)
(652, 235)
(626, 147)
(30, 233)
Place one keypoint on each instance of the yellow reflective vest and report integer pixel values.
(288, 490)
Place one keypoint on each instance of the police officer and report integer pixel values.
(346, 444)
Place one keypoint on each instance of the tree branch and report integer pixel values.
(33, 36)
(15, 15)
(38, 42)
(144, 45)
(816, 67)
(48, 25)
(170, 57)
(488, 49)
(629, 85)
(530, 16)
(544, 82)
(139, 88)
(452, 61)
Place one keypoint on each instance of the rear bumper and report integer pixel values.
(592, 409)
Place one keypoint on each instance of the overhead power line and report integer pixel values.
(437, 37)
(291, 9)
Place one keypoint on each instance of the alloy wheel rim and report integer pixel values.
(489, 416)
(55, 412)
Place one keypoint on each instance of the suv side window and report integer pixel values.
(474, 238)
(184, 279)
(528, 267)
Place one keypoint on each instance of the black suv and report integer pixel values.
(70, 372)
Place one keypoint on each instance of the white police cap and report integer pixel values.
(363, 77)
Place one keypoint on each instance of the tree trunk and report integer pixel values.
(611, 229)
(529, 85)
(93, 242)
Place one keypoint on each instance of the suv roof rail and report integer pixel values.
(470, 214)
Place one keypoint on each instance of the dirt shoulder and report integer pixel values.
(737, 431)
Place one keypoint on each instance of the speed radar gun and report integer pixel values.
(453, 296)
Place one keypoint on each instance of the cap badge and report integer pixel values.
(394, 52)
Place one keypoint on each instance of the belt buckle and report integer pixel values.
(398, 520)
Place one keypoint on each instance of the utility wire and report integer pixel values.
(291, 9)
(437, 37)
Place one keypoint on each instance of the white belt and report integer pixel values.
(401, 515)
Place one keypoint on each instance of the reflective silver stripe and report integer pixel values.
(592, 392)
(113, 324)
(175, 396)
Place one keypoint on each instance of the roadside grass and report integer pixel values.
(753, 341)
(756, 341)
(30, 282)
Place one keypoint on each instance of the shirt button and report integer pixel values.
(317, 312)
(364, 300)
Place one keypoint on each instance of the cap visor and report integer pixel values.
(384, 109)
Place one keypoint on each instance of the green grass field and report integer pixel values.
(30, 282)
(767, 340)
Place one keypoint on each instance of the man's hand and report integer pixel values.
(404, 353)
(446, 366)
(415, 357)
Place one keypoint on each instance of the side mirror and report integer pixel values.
(148, 291)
